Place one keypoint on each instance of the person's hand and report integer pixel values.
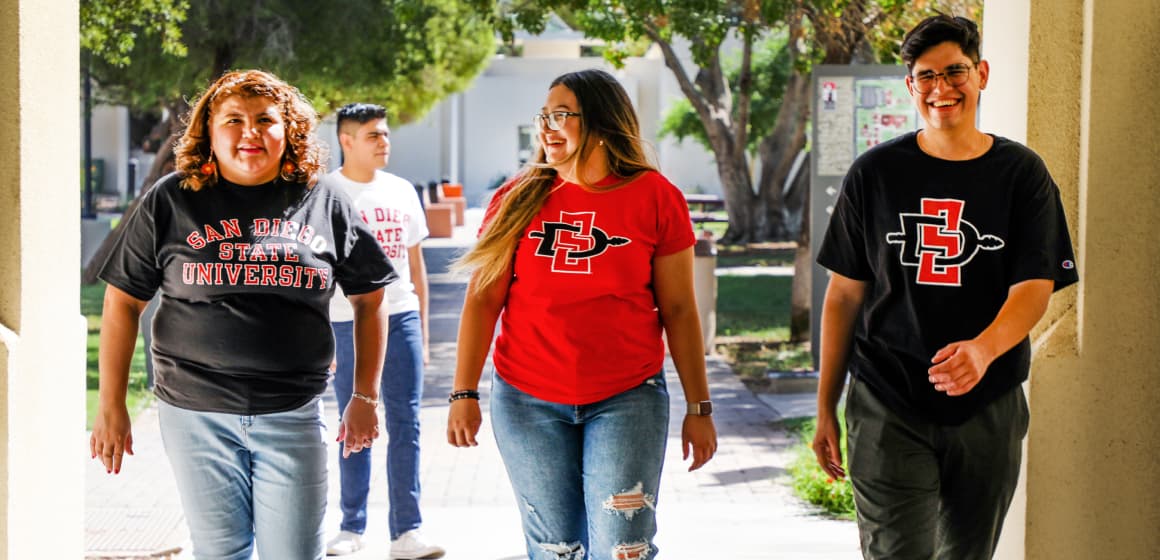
(112, 436)
(699, 436)
(959, 366)
(463, 422)
(828, 447)
(426, 354)
(359, 428)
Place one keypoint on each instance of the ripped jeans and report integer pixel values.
(585, 476)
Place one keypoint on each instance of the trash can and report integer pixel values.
(705, 286)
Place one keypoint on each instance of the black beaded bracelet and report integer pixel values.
(464, 394)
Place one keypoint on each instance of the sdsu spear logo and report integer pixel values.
(939, 241)
(573, 241)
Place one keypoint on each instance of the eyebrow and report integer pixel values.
(945, 68)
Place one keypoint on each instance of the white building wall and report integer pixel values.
(111, 143)
(506, 96)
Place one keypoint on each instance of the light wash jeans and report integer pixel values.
(401, 390)
(585, 477)
(246, 478)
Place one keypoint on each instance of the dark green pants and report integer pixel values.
(927, 491)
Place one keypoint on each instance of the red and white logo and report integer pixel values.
(939, 242)
(573, 241)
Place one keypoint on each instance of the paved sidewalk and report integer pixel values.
(735, 507)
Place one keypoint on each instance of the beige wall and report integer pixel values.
(41, 331)
(1093, 484)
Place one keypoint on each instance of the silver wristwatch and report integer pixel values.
(702, 408)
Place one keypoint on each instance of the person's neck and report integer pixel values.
(587, 172)
(357, 174)
(954, 145)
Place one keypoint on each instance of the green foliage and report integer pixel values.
(812, 484)
(404, 54)
(109, 28)
(139, 396)
(771, 67)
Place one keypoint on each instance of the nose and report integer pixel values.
(941, 83)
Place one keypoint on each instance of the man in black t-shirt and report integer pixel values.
(945, 247)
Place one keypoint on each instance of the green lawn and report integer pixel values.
(753, 307)
(139, 395)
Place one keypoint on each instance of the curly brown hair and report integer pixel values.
(302, 146)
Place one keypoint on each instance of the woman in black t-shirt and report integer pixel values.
(245, 245)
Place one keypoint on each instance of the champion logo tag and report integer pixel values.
(1068, 264)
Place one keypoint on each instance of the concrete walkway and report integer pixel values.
(739, 506)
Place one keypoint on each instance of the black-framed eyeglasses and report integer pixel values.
(553, 121)
(955, 76)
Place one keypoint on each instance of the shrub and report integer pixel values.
(812, 484)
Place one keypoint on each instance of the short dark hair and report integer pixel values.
(939, 29)
(360, 113)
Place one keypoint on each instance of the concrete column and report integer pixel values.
(42, 335)
(1093, 480)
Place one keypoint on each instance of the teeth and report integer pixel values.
(944, 103)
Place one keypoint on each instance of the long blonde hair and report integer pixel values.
(605, 112)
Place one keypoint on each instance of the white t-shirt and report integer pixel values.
(390, 207)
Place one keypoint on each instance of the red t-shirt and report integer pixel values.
(581, 322)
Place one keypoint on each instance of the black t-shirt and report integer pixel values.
(940, 243)
(246, 275)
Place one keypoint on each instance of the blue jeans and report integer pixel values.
(586, 477)
(401, 390)
(243, 478)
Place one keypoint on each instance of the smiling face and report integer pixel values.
(948, 108)
(248, 137)
(366, 146)
(559, 144)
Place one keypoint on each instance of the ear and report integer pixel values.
(984, 73)
(346, 141)
(910, 86)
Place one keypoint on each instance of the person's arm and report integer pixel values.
(419, 279)
(673, 283)
(844, 298)
(360, 420)
(112, 435)
(481, 309)
(959, 366)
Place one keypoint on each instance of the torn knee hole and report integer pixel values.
(564, 551)
(630, 501)
(631, 551)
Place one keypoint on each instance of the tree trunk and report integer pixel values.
(778, 152)
(803, 266)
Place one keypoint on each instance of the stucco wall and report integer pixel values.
(42, 361)
(1093, 486)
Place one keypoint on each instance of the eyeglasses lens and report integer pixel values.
(955, 76)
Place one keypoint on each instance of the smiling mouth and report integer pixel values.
(945, 103)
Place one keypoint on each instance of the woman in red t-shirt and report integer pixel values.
(585, 258)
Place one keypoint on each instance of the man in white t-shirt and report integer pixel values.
(390, 206)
